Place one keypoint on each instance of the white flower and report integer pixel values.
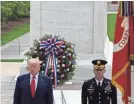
(64, 56)
(57, 70)
(42, 71)
(68, 69)
(43, 64)
(63, 65)
(69, 54)
(58, 66)
(68, 48)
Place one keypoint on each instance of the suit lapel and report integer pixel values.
(28, 83)
(95, 83)
(103, 83)
(38, 83)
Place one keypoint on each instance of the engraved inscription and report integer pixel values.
(83, 24)
(66, 5)
(71, 20)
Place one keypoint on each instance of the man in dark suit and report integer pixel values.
(99, 90)
(33, 88)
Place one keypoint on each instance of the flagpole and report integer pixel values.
(132, 82)
(132, 56)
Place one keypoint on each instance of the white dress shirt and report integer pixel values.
(36, 79)
(99, 81)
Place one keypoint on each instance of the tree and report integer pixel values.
(14, 10)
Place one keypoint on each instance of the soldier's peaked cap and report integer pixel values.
(99, 64)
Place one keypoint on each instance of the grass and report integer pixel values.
(111, 21)
(12, 60)
(16, 32)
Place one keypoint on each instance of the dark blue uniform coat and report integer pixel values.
(93, 94)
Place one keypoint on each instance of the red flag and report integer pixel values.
(123, 50)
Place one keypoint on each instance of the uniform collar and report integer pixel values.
(99, 81)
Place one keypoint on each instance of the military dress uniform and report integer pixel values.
(94, 93)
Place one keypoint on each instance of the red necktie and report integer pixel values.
(33, 86)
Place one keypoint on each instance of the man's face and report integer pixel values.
(33, 66)
(99, 73)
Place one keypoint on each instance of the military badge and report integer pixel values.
(90, 89)
(108, 88)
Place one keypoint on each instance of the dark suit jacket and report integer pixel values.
(93, 94)
(43, 94)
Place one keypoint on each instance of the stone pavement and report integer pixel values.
(7, 89)
(10, 68)
(8, 73)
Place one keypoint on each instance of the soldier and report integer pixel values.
(99, 89)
